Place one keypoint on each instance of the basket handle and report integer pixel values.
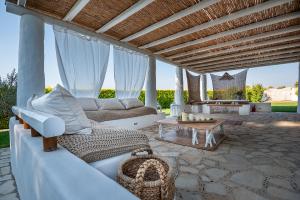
(148, 150)
(141, 173)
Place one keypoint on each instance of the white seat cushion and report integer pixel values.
(61, 103)
(88, 104)
(110, 166)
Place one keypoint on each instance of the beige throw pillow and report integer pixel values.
(61, 103)
(132, 103)
(110, 104)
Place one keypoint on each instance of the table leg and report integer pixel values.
(213, 137)
(210, 139)
(160, 130)
(194, 137)
(206, 138)
(222, 129)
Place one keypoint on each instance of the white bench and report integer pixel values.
(242, 109)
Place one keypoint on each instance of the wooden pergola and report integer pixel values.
(203, 36)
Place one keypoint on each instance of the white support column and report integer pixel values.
(203, 87)
(179, 87)
(298, 107)
(150, 95)
(31, 78)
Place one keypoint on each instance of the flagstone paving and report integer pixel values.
(259, 160)
(8, 189)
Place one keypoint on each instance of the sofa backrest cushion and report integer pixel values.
(110, 104)
(61, 103)
(88, 104)
(132, 103)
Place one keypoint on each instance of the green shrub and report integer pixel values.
(107, 93)
(210, 94)
(48, 89)
(254, 93)
(164, 97)
(281, 87)
(8, 94)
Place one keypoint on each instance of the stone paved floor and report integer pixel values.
(8, 189)
(259, 160)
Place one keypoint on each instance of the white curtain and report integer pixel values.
(130, 70)
(82, 61)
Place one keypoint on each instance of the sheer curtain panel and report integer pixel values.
(130, 71)
(82, 61)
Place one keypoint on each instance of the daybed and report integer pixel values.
(126, 113)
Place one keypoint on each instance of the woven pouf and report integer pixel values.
(147, 176)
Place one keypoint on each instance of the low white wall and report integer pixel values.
(262, 107)
(284, 94)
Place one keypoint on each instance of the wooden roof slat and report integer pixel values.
(259, 29)
(246, 53)
(272, 58)
(124, 15)
(195, 8)
(235, 42)
(250, 65)
(78, 6)
(18, 10)
(259, 54)
(241, 48)
(218, 21)
(260, 24)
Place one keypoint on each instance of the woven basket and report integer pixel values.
(147, 176)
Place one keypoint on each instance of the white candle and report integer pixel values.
(191, 117)
(184, 116)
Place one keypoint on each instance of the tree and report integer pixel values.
(8, 94)
(255, 93)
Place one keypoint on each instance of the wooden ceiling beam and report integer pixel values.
(124, 15)
(206, 56)
(235, 42)
(218, 21)
(188, 11)
(241, 63)
(78, 6)
(263, 64)
(260, 24)
(253, 57)
(246, 53)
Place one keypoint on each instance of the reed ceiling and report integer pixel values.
(195, 37)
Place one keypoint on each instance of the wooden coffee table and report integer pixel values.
(198, 135)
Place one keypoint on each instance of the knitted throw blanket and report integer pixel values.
(103, 143)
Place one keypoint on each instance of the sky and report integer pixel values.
(279, 75)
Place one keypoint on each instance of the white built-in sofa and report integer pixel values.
(57, 174)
